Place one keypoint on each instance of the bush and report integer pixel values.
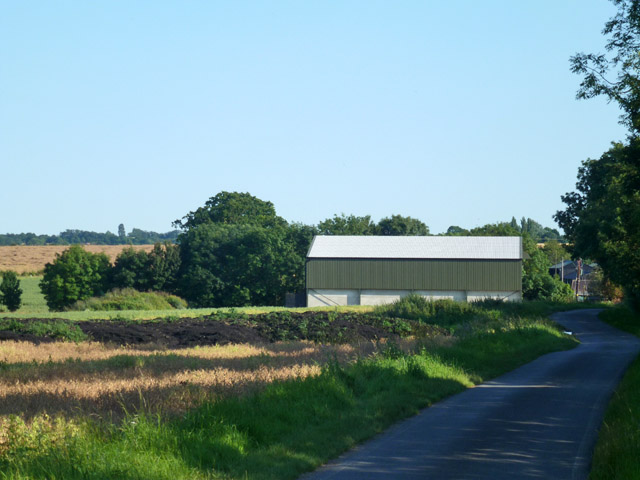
(156, 270)
(74, 275)
(130, 299)
(417, 307)
(10, 291)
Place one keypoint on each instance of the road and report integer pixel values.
(539, 421)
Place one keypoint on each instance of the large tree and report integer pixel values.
(237, 251)
(602, 218)
(236, 265)
(74, 275)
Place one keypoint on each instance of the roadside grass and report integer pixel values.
(617, 452)
(286, 428)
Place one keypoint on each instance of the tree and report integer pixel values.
(163, 265)
(622, 62)
(74, 275)
(122, 233)
(156, 270)
(555, 251)
(130, 270)
(399, 225)
(602, 217)
(347, 225)
(236, 265)
(10, 291)
(456, 230)
(233, 208)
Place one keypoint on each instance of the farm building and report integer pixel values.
(371, 270)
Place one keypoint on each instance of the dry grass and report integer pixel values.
(91, 378)
(31, 259)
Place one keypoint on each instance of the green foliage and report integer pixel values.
(10, 291)
(74, 275)
(347, 225)
(622, 62)
(456, 230)
(555, 251)
(417, 307)
(236, 265)
(602, 218)
(233, 208)
(130, 299)
(537, 284)
(156, 270)
(57, 329)
(130, 270)
(399, 225)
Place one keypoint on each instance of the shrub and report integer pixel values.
(74, 275)
(417, 307)
(156, 270)
(10, 291)
(130, 299)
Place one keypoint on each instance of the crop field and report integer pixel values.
(32, 259)
(265, 393)
(91, 378)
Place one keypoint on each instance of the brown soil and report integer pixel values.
(30, 259)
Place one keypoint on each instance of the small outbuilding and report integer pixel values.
(372, 270)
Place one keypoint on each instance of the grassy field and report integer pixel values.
(32, 259)
(617, 453)
(34, 305)
(86, 410)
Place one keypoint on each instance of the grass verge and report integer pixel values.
(617, 453)
(282, 431)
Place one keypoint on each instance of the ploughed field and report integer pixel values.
(220, 329)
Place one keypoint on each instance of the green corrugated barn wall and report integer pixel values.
(419, 274)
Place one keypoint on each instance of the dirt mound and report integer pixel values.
(184, 333)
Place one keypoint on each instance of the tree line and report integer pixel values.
(70, 237)
(236, 251)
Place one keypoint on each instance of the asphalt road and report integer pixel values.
(537, 422)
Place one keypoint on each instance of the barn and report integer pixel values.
(371, 270)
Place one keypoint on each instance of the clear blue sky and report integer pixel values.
(456, 113)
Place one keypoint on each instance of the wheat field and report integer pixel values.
(91, 378)
(32, 259)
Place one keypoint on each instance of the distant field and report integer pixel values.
(29, 259)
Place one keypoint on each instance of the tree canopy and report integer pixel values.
(233, 208)
(347, 225)
(615, 74)
(399, 225)
(602, 217)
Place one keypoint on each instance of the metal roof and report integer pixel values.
(418, 247)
